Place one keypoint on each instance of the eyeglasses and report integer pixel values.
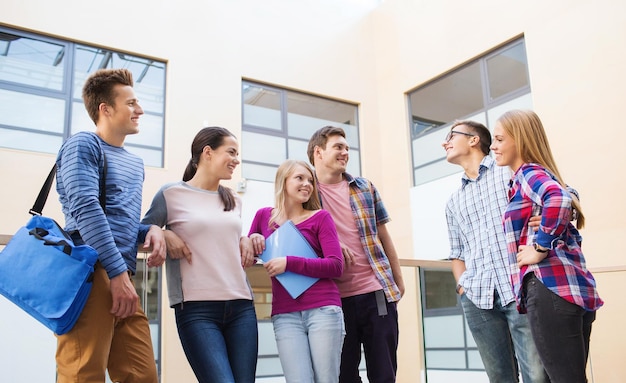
(453, 132)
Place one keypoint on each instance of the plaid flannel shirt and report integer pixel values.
(535, 190)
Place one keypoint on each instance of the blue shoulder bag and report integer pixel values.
(43, 272)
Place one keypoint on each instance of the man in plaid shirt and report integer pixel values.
(371, 284)
(480, 260)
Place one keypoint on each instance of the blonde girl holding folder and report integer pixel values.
(309, 329)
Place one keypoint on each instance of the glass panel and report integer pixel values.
(150, 131)
(30, 61)
(147, 287)
(507, 71)
(354, 163)
(321, 108)
(16, 139)
(305, 115)
(428, 148)
(304, 127)
(445, 359)
(259, 172)
(261, 107)
(474, 361)
(17, 109)
(148, 75)
(267, 341)
(352, 135)
(297, 150)
(80, 119)
(154, 334)
(254, 147)
(469, 339)
(479, 117)
(151, 157)
(522, 102)
(440, 289)
(457, 94)
(444, 331)
(269, 367)
(434, 171)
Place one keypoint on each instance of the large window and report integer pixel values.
(41, 82)
(479, 90)
(278, 123)
(147, 282)
(448, 343)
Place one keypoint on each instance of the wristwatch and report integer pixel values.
(537, 249)
(458, 289)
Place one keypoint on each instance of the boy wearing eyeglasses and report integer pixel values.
(480, 261)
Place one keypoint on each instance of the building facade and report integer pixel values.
(395, 72)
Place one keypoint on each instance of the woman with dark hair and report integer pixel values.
(548, 270)
(206, 281)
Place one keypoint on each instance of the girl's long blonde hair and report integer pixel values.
(532, 146)
(284, 171)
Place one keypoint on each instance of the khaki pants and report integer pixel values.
(99, 342)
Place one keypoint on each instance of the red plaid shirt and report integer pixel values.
(534, 191)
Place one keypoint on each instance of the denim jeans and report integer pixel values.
(309, 344)
(504, 339)
(377, 333)
(561, 331)
(220, 339)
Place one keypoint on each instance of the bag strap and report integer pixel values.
(45, 189)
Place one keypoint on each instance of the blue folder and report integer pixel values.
(287, 240)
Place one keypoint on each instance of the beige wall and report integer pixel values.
(344, 50)
(575, 57)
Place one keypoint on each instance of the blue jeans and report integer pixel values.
(377, 333)
(561, 331)
(220, 339)
(504, 338)
(309, 344)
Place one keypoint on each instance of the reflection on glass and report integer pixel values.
(507, 71)
(148, 74)
(334, 112)
(453, 96)
(440, 289)
(31, 112)
(33, 73)
(29, 61)
(270, 114)
(147, 283)
(261, 107)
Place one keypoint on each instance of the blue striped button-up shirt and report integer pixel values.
(474, 215)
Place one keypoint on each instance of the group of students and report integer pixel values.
(194, 226)
(506, 263)
(526, 292)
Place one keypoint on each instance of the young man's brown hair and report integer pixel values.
(99, 86)
(320, 138)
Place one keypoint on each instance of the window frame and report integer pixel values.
(67, 92)
(283, 132)
(436, 132)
